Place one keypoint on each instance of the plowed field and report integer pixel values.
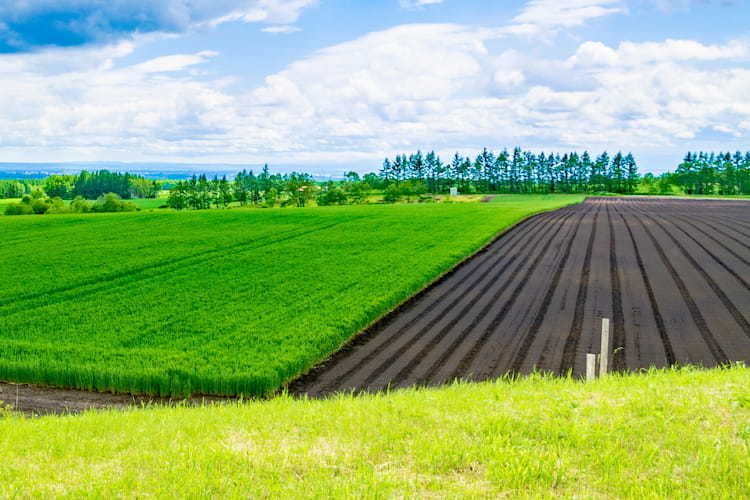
(672, 274)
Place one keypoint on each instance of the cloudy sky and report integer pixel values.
(328, 84)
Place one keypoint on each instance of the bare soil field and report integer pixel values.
(672, 274)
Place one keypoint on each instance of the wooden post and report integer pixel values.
(604, 356)
(590, 366)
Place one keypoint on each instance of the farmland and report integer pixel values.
(671, 274)
(222, 301)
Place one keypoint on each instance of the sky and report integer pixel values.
(332, 85)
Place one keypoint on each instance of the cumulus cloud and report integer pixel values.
(443, 86)
(28, 25)
(440, 85)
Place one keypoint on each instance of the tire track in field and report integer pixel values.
(718, 242)
(109, 283)
(571, 344)
(505, 309)
(107, 278)
(713, 224)
(465, 363)
(425, 351)
(523, 351)
(708, 337)
(658, 318)
(618, 317)
(731, 307)
(731, 228)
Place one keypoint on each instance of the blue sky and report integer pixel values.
(330, 85)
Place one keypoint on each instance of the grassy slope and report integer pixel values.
(219, 301)
(670, 434)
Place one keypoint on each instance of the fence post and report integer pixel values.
(590, 366)
(604, 356)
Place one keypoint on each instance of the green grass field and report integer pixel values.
(667, 434)
(221, 301)
(149, 203)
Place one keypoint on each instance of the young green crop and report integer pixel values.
(665, 434)
(217, 302)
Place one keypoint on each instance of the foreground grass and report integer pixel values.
(220, 301)
(666, 434)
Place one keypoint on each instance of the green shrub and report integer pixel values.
(332, 195)
(19, 209)
(112, 202)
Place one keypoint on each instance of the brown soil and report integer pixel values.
(673, 275)
(36, 400)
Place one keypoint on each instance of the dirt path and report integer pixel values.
(673, 275)
(37, 400)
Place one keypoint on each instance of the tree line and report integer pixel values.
(18, 188)
(92, 185)
(713, 173)
(268, 190)
(516, 172)
(414, 176)
(200, 192)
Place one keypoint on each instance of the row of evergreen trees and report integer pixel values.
(517, 172)
(712, 173)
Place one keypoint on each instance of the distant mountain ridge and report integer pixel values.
(156, 171)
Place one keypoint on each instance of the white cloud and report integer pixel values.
(437, 86)
(634, 54)
(172, 63)
(540, 15)
(284, 29)
(268, 11)
(408, 4)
